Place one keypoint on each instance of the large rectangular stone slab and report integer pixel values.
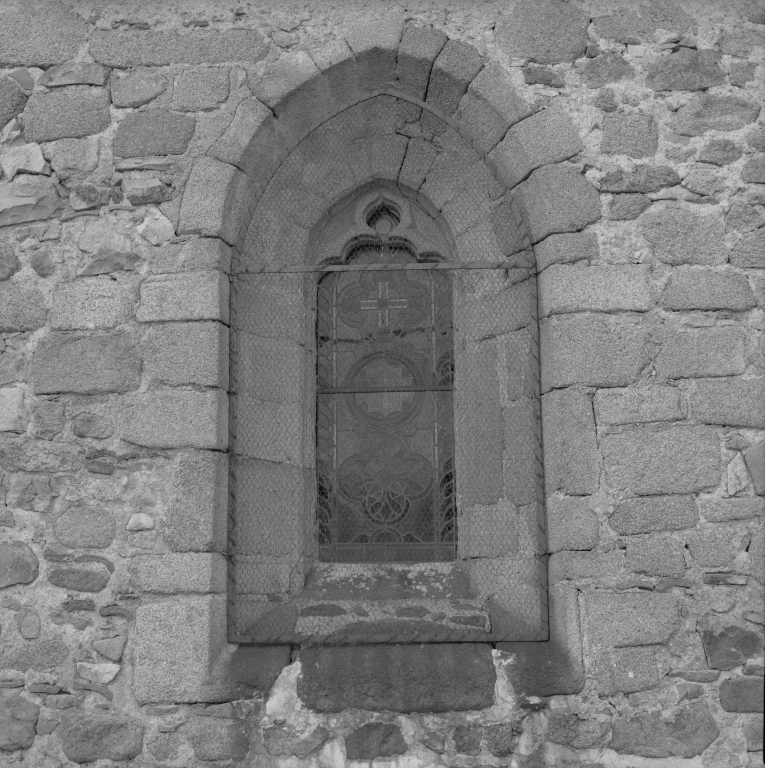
(592, 349)
(571, 448)
(706, 288)
(733, 402)
(700, 352)
(629, 618)
(567, 247)
(564, 288)
(86, 363)
(571, 524)
(637, 405)
(71, 112)
(179, 572)
(178, 418)
(175, 644)
(197, 513)
(653, 513)
(133, 48)
(91, 302)
(184, 296)
(31, 39)
(650, 461)
(448, 677)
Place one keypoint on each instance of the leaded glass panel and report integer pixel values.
(385, 445)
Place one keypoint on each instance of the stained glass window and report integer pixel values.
(385, 447)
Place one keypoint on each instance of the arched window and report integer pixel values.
(384, 434)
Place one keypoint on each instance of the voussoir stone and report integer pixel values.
(417, 50)
(678, 236)
(133, 48)
(685, 70)
(67, 113)
(86, 363)
(374, 740)
(89, 527)
(686, 734)
(404, 678)
(709, 112)
(545, 31)
(98, 735)
(18, 564)
(153, 132)
(454, 69)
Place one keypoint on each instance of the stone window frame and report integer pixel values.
(217, 203)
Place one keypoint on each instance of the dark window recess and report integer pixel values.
(385, 444)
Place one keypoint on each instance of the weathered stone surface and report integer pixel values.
(187, 353)
(403, 678)
(418, 49)
(719, 510)
(655, 556)
(179, 572)
(195, 520)
(153, 132)
(687, 734)
(83, 526)
(27, 198)
(467, 740)
(374, 740)
(720, 152)
(712, 547)
(500, 738)
(534, 74)
(564, 289)
(37, 655)
(18, 564)
(742, 694)
(138, 87)
(709, 112)
(9, 263)
(74, 73)
(79, 579)
(548, 136)
(630, 618)
(633, 134)
(184, 296)
(743, 218)
(100, 735)
(571, 524)
(86, 363)
(592, 349)
(753, 171)
(685, 70)
(24, 41)
(627, 207)
(175, 419)
(13, 367)
(753, 733)
(548, 32)
(177, 669)
(707, 289)
(13, 416)
(565, 248)
(131, 48)
(111, 648)
(577, 565)
(732, 402)
(12, 100)
(490, 106)
(701, 352)
(678, 236)
(92, 425)
(576, 732)
(749, 252)
(454, 69)
(640, 22)
(625, 670)
(90, 303)
(69, 113)
(18, 717)
(730, 646)
(213, 738)
(375, 46)
(644, 178)
(37, 456)
(557, 199)
(571, 450)
(144, 191)
(601, 70)
(651, 461)
(653, 513)
(637, 406)
(755, 463)
(198, 90)
(280, 741)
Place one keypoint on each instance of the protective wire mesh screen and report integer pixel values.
(385, 469)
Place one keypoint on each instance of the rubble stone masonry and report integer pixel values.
(135, 142)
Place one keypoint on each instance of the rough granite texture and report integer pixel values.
(609, 453)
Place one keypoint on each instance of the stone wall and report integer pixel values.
(136, 142)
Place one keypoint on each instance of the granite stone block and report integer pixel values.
(709, 289)
(184, 296)
(678, 236)
(630, 618)
(576, 566)
(571, 524)
(635, 135)
(454, 69)
(200, 90)
(687, 69)
(709, 112)
(68, 113)
(153, 132)
(27, 40)
(653, 513)
(655, 556)
(701, 352)
(417, 51)
(732, 402)
(566, 248)
(89, 303)
(637, 405)
(179, 572)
